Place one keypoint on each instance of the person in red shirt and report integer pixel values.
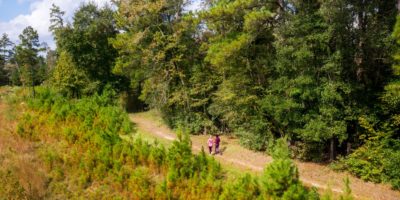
(216, 142)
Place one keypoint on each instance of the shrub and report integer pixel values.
(377, 160)
(246, 187)
(281, 177)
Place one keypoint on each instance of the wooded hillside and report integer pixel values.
(324, 74)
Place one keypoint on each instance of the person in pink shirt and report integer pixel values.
(210, 144)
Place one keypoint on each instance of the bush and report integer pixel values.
(378, 159)
(373, 163)
(281, 177)
(309, 151)
(246, 187)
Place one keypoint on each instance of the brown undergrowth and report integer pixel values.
(22, 175)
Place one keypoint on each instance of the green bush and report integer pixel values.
(281, 177)
(377, 160)
(246, 187)
(309, 151)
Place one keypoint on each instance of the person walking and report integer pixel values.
(217, 141)
(210, 144)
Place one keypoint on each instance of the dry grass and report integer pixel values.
(18, 157)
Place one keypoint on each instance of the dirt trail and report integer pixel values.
(311, 174)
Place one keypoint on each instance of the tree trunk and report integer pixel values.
(348, 148)
(398, 5)
(33, 91)
(332, 150)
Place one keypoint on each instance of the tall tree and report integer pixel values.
(56, 18)
(391, 95)
(86, 40)
(27, 56)
(157, 51)
(333, 58)
(360, 33)
(5, 57)
(68, 78)
(305, 99)
(241, 53)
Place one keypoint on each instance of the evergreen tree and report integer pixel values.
(240, 52)
(68, 78)
(5, 58)
(27, 57)
(305, 99)
(56, 19)
(281, 177)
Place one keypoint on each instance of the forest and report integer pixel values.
(313, 80)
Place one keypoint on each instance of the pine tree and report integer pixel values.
(27, 57)
(68, 78)
(240, 52)
(281, 177)
(5, 58)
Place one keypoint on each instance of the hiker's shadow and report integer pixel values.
(222, 150)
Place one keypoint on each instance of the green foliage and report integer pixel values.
(83, 149)
(5, 58)
(391, 96)
(309, 151)
(376, 159)
(309, 71)
(280, 150)
(260, 69)
(306, 99)
(27, 58)
(347, 190)
(245, 187)
(304, 70)
(86, 57)
(281, 177)
(374, 163)
(240, 56)
(89, 150)
(68, 78)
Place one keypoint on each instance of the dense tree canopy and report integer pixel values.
(323, 73)
(86, 41)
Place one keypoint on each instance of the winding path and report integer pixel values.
(311, 174)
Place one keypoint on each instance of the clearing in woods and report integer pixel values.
(149, 125)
